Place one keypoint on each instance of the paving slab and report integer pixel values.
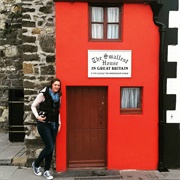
(4, 144)
(7, 171)
(26, 174)
(2, 133)
(171, 175)
(7, 155)
(138, 175)
(4, 136)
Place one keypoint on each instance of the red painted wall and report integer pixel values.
(132, 139)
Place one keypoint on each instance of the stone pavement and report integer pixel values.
(23, 173)
(11, 153)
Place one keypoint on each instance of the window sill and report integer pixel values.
(130, 111)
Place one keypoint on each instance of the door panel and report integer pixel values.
(86, 126)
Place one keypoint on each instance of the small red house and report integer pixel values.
(107, 59)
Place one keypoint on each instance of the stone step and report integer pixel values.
(11, 153)
(20, 158)
(7, 155)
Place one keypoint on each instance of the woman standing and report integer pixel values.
(48, 123)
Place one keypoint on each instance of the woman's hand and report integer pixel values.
(41, 118)
(59, 128)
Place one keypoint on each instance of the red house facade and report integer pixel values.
(107, 57)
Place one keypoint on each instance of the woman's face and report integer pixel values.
(55, 86)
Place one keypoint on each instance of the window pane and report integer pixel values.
(113, 14)
(97, 31)
(113, 31)
(97, 14)
(130, 97)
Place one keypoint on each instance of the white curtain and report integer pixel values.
(113, 17)
(113, 31)
(113, 14)
(112, 20)
(97, 31)
(97, 14)
(130, 97)
(97, 20)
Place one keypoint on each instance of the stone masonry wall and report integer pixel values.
(38, 24)
(27, 58)
(11, 75)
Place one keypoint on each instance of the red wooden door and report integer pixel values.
(86, 126)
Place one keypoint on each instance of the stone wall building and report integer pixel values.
(27, 58)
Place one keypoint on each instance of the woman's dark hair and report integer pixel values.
(52, 82)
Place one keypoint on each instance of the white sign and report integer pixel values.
(109, 63)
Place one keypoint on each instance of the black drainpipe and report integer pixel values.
(162, 82)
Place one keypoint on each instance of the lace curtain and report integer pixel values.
(130, 97)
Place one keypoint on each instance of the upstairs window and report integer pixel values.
(105, 23)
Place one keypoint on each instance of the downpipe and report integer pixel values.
(162, 84)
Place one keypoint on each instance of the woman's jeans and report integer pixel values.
(48, 132)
